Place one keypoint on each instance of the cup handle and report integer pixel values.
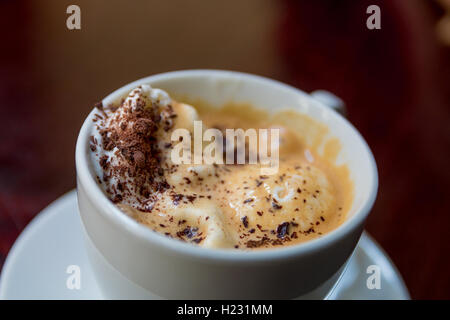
(330, 100)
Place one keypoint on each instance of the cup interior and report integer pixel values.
(220, 87)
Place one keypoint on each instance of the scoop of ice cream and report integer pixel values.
(299, 194)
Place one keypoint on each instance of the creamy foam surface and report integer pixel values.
(218, 206)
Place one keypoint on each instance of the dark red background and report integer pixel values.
(395, 82)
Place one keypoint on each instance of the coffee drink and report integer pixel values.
(271, 182)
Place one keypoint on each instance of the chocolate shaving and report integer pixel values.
(99, 105)
(245, 221)
(189, 232)
(276, 206)
(282, 229)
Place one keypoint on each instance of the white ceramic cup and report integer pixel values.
(132, 261)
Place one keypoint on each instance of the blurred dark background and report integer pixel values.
(395, 81)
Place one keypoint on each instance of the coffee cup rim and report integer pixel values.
(147, 236)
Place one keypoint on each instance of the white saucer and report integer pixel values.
(37, 263)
